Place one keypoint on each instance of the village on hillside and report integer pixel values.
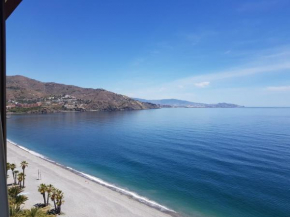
(46, 104)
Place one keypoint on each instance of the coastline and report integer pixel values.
(118, 201)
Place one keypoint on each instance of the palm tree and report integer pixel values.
(42, 190)
(12, 167)
(15, 176)
(20, 179)
(15, 199)
(53, 197)
(24, 164)
(59, 200)
(34, 212)
(49, 189)
(8, 167)
(20, 199)
(14, 191)
(15, 211)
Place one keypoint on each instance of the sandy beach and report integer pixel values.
(83, 198)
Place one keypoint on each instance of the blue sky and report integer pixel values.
(198, 50)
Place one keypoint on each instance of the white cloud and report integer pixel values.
(259, 6)
(279, 88)
(202, 84)
(228, 52)
(138, 61)
(264, 62)
(235, 73)
(170, 89)
(197, 37)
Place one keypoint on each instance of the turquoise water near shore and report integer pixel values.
(202, 162)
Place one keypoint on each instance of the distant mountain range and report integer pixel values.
(32, 96)
(175, 103)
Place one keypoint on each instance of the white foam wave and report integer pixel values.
(27, 150)
(131, 194)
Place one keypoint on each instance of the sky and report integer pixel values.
(205, 51)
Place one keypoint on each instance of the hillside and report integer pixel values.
(26, 93)
(182, 103)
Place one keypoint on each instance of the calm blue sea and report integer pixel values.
(204, 162)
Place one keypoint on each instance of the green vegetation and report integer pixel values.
(17, 199)
(20, 178)
(12, 167)
(50, 192)
(42, 190)
(15, 175)
(8, 167)
(14, 196)
(49, 189)
(24, 164)
(35, 212)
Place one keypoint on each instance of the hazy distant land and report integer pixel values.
(176, 103)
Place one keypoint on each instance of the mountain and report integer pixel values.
(25, 93)
(182, 103)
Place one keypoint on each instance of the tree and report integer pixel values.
(53, 197)
(20, 179)
(34, 212)
(15, 200)
(59, 200)
(15, 211)
(42, 190)
(20, 199)
(12, 167)
(15, 175)
(14, 191)
(54, 194)
(8, 167)
(49, 189)
(24, 164)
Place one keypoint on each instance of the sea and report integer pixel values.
(203, 162)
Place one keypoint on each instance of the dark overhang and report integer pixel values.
(6, 9)
(10, 6)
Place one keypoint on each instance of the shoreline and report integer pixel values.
(132, 196)
(184, 107)
(73, 111)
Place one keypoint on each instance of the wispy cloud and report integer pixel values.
(228, 52)
(259, 5)
(138, 61)
(154, 52)
(266, 62)
(202, 84)
(185, 85)
(235, 73)
(279, 88)
(217, 85)
(196, 37)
